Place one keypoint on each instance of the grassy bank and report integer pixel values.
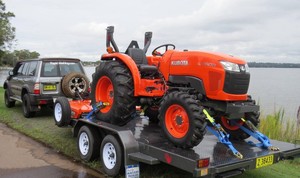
(43, 129)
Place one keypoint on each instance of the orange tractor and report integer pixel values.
(174, 88)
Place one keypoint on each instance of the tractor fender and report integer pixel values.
(189, 80)
(128, 61)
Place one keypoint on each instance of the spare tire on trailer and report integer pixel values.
(113, 84)
(73, 82)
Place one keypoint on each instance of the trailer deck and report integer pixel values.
(144, 142)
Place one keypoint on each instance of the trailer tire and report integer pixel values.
(62, 112)
(88, 143)
(235, 132)
(8, 102)
(27, 106)
(113, 84)
(182, 119)
(73, 82)
(111, 155)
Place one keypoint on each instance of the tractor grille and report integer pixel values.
(236, 83)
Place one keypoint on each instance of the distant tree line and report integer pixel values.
(273, 65)
(7, 39)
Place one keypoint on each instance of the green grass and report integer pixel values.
(43, 129)
(278, 127)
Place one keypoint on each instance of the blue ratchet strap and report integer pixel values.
(252, 131)
(96, 108)
(220, 133)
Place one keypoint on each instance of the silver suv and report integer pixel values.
(39, 82)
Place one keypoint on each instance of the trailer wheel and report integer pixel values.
(8, 102)
(111, 155)
(113, 84)
(88, 143)
(73, 82)
(235, 132)
(182, 119)
(62, 112)
(27, 107)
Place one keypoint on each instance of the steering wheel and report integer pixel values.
(166, 46)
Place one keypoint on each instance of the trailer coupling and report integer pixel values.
(221, 134)
(253, 131)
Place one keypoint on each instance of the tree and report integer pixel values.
(7, 32)
(25, 54)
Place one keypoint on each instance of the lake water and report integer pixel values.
(272, 88)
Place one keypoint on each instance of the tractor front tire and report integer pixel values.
(113, 84)
(182, 119)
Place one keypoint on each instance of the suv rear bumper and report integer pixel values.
(37, 100)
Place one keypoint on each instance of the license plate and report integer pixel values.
(264, 161)
(49, 87)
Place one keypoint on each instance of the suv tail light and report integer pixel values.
(36, 88)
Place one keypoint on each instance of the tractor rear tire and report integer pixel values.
(182, 119)
(113, 84)
(235, 132)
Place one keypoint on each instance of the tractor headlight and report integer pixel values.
(230, 66)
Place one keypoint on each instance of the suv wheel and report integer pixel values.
(8, 102)
(74, 82)
(27, 107)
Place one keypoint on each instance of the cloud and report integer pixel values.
(257, 30)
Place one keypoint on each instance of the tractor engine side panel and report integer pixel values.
(218, 84)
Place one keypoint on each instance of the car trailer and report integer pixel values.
(142, 141)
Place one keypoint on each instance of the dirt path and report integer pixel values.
(20, 156)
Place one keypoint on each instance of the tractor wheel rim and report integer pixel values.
(228, 125)
(58, 112)
(84, 143)
(109, 155)
(105, 93)
(177, 121)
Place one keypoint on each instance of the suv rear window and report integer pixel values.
(59, 69)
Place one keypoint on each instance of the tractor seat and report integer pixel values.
(140, 59)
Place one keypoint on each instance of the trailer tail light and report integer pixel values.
(36, 88)
(202, 163)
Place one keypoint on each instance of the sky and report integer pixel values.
(255, 30)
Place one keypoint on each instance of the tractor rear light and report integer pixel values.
(202, 163)
(36, 88)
